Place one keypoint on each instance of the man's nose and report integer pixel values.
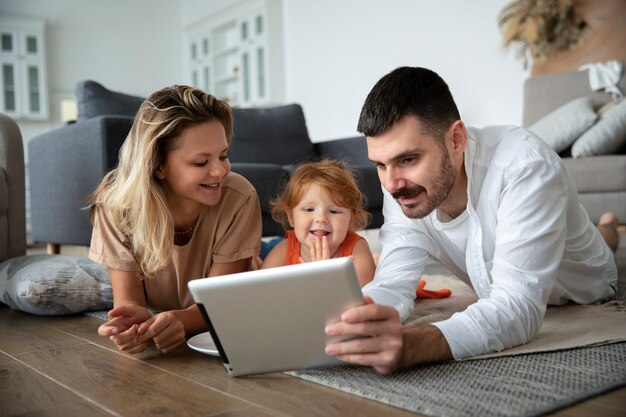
(393, 180)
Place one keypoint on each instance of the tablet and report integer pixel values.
(273, 319)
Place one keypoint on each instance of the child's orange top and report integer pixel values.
(292, 256)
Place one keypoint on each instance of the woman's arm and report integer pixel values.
(128, 313)
(127, 288)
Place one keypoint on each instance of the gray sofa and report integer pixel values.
(66, 164)
(601, 179)
(12, 190)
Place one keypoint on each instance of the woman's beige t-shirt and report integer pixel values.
(227, 232)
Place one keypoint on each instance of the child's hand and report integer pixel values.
(319, 249)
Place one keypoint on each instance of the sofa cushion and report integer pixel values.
(606, 137)
(596, 174)
(561, 127)
(93, 99)
(275, 135)
(54, 284)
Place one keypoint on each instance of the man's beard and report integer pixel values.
(440, 189)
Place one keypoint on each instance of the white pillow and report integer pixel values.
(561, 127)
(54, 284)
(606, 137)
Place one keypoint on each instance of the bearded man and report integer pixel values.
(496, 206)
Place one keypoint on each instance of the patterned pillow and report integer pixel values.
(54, 284)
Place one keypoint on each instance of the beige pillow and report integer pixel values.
(606, 137)
(561, 127)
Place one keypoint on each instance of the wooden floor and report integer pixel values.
(58, 366)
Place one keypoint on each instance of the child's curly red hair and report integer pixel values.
(332, 175)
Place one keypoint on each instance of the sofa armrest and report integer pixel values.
(12, 190)
(65, 165)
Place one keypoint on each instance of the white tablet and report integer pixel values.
(273, 319)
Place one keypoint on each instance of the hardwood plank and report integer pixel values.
(26, 392)
(126, 385)
(276, 391)
(279, 392)
(21, 333)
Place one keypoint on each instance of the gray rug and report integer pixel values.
(525, 385)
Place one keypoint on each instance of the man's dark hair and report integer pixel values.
(409, 91)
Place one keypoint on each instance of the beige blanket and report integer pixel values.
(564, 327)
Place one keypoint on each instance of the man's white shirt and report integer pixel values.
(528, 243)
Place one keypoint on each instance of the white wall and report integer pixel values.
(133, 46)
(335, 51)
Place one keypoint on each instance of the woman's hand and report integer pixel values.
(123, 327)
(165, 329)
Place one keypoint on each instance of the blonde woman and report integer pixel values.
(171, 212)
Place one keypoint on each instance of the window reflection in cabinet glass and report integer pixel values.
(194, 78)
(33, 89)
(206, 79)
(194, 51)
(7, 42)
(31, 44)
(8, 79)
(244, 30)
(246, 76)
(259, 24)
(260, 59)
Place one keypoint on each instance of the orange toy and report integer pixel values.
(422, 293)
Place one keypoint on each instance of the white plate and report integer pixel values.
(203, 343)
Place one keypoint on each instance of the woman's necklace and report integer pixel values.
(193, 226)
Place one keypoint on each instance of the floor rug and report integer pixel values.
(520, 386)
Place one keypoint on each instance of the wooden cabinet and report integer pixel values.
(23, 80)
(236, 54)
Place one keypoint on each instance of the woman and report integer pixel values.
(171, 212)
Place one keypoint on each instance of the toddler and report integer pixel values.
(323, 205)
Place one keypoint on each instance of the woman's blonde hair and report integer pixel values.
(131, 195)
(333, 176)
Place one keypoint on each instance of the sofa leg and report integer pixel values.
(53, 248)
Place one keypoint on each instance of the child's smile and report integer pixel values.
(317, 216)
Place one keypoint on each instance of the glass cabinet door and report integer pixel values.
(23, 70)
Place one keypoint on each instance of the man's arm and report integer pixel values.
(382, 343)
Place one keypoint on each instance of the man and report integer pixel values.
(495, 205)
